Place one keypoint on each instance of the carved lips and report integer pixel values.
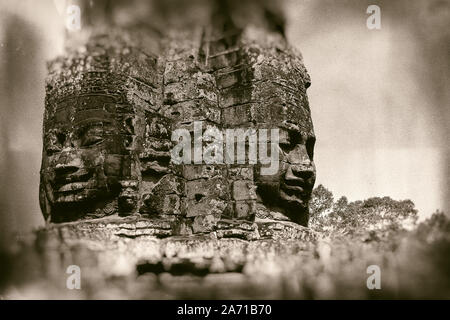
(70, 187)
(295, 190)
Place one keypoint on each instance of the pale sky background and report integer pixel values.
(379, 99)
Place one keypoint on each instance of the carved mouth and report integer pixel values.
(80, 175)
(73, 187)
(295, 190)
(290, 198)
(73, 183)
(74, 192)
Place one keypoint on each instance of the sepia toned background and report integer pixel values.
(379, 99)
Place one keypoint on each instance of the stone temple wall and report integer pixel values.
(117, 95)
(117, 204)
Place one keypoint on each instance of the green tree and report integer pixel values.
(371, 218)
(321, 203)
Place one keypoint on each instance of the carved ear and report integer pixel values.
(129, 197)
(44, 201)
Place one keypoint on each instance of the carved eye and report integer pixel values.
(286, 146)
(53, 143)
(91, 140)
(50, 150)
(92, 136)
(294, 139)
(61, 138)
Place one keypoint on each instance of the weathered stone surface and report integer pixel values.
(142, 257)
(205, 206)
(118, 93)
(139, 226)
(244, 190)
(245, 209)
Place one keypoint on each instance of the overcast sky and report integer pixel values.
(379, 98)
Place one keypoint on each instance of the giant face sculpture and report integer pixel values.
(107, 139)
(282, 103)
(252, 88)
(88, 154)
(100, 131)
(289, 190)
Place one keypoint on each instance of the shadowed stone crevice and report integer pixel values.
(186, 266)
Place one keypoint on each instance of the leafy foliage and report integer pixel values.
(321, 202)
(412, 256)
(359, 218)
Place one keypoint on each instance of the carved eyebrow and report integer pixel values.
(94, 114)
(86, 122)
(86, 126)
(290, 125)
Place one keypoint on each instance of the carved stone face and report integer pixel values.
(290, 189)
(87, 144)
(282, 103)
(108, 138)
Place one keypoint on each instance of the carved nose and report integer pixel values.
(303, 172)
(290, 174)
(67, 164)
(294, 172)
